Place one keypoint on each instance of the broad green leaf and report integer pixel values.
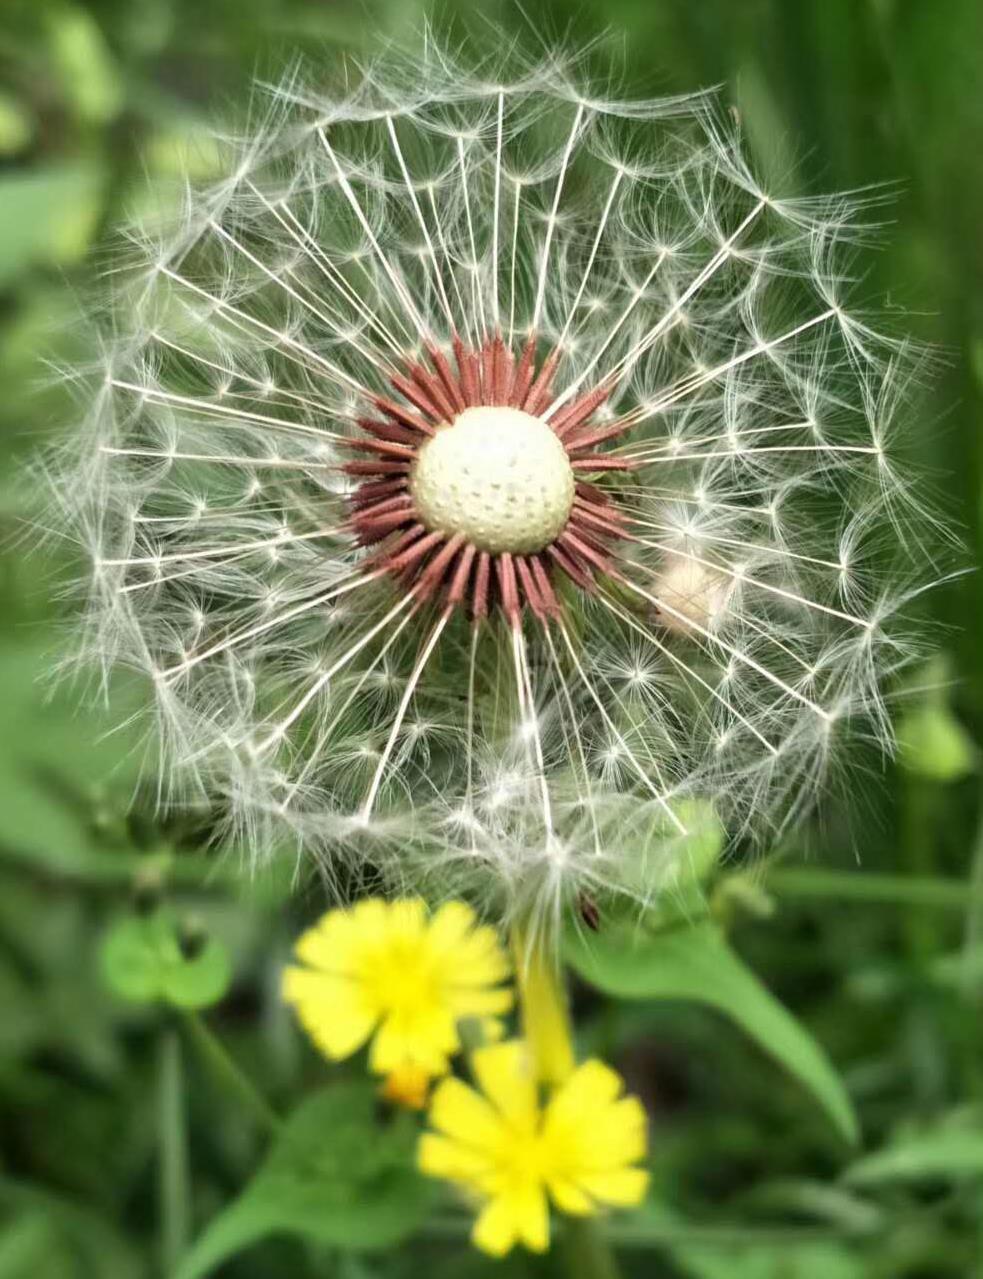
(950, 1151)
(335, 1176)
(142, 960)
(696, 963)
(47, 215)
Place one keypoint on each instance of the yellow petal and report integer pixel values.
(450, 925)
(460, 1112)
(330, 1009)
(622, 1188)
(570, 1198)
(426, 1040)
(623, 1134)
(592, 1086)
(328, 945)
(504, 1074)
(532, 1216)
(471, 957)
(469, 1002)
(479, 959)
(614, 1135)
(495, 1229)
(370, 920)
(439, 1157)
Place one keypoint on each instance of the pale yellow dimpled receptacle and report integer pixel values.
(499, 477)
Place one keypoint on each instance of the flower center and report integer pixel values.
(400, 980)
(497, 476)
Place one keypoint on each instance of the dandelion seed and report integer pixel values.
(449, 406)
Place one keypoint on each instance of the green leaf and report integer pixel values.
(28, 1245)
(335, 1177)
(143, 960)
(696, 963)
(47, 215)
(772, 1261)
(658, 854)
(84, 1245)
(830, 1205)
(60, 766)
(200, 981)
(950, 1151)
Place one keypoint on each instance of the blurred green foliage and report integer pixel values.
(118, 1140)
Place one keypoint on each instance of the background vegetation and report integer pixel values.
(118, 1139)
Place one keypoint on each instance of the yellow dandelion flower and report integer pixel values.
(579, 1149)
(393, 973)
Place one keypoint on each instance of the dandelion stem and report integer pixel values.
(588, 1253)
(174, 1198)
(227, 1073)
(543, 1005)
(548, 1033)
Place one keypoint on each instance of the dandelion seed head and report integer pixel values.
(483, 463)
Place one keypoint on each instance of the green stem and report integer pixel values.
(543, 1010)
(588, 1253)
(229, 1074)
(174, 1197)
(919, 810)
(887, 890)
(973, 932)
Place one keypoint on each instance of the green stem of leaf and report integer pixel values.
(888, 890)
(228, 1074)
(172, 1144)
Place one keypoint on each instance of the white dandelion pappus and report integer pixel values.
(484, 471)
